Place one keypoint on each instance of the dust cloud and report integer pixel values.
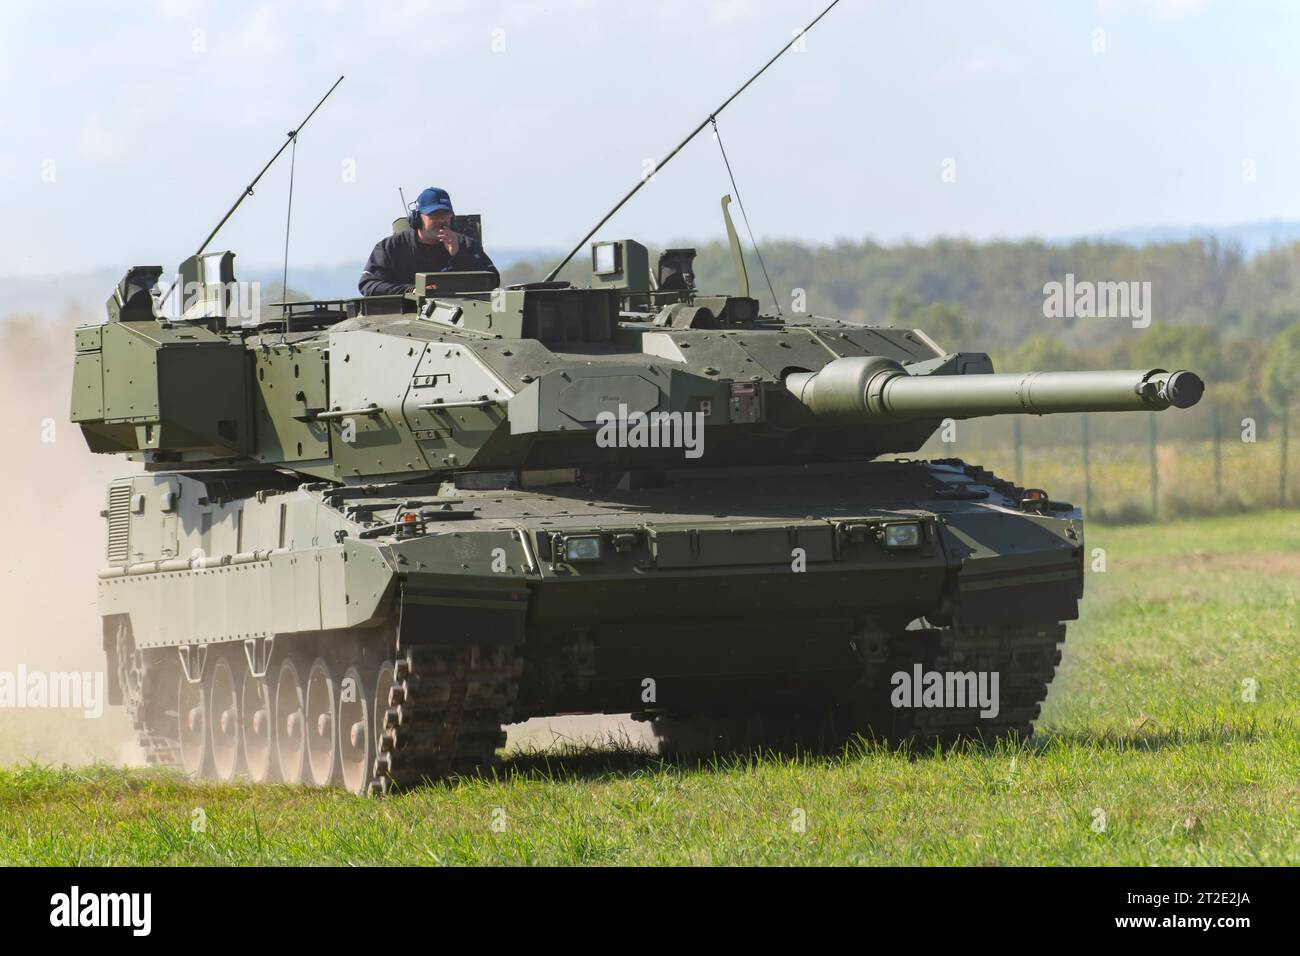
(53, 536)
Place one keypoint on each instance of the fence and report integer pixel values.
(1123, 468)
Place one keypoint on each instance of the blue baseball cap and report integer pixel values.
(433, 199)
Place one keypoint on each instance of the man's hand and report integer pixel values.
(450, 240)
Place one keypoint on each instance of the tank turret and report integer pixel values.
(440, 381)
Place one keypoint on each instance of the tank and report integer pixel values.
(364, 535)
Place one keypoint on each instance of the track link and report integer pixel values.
(1024, 657)
(143, 687)
(159, 750)
(445, 714)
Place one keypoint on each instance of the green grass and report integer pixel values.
(1145, 723)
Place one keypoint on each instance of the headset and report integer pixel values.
(467, 225)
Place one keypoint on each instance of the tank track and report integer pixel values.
(447, 708)
(1025, 658)
(159, 750)
(138, 679)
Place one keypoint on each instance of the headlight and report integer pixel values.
(582, 549)
(903, 535)
(1034, 499)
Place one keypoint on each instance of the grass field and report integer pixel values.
(1146, 728)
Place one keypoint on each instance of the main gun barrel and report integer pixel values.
(875, 389)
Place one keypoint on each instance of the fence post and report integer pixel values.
(1218, 454)
(1155, 473)
(1087, 474)
(1016, 444)
(1281, 468)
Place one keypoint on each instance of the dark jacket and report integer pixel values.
(396, 259)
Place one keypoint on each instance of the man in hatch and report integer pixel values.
(430, 245)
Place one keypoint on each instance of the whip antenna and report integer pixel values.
(741, 203)
(288, 217)
(291, 136)
(678, 148)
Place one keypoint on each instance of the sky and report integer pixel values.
(130, 127)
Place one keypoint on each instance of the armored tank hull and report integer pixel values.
(377, 636)
(370, 533)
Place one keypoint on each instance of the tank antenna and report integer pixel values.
(288, 218)
(290, 137)
(731, 229)
(678, 148)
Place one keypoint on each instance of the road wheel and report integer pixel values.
(290, 725)
(321, 725)
(356, 730)
(255, 718)
(192, 729)
(223, 719)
